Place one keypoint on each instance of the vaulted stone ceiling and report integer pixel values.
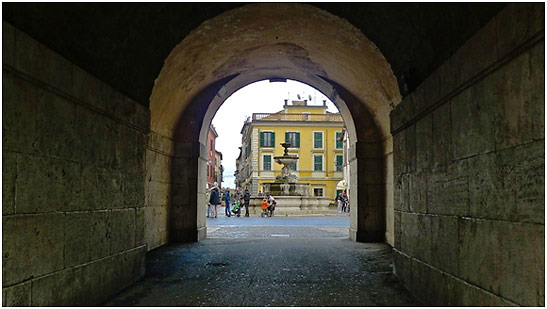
(125, 44)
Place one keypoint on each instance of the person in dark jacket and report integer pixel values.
(246, 199)
(227, 201)
(214, 200)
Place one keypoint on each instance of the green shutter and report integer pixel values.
(318, 163)
(317, 140)
(261, 139)
(339, 140)
(339, 162)
(287, 138)
(297, 139)
(273, 139)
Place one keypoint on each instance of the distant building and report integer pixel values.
(212, 157)
(219, 169)
(316, 137)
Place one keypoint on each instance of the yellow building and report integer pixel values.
(315, 136)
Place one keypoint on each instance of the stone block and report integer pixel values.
(45, 185)
(160, 142)
(399, 154)
(96, 93)
(404, 112)
(158, 193)
(477, 54)
(158, 167)
(517, 23)
(101, 188)
(139, 226)
(480, 252)
(8, 44)
(129, 266)
(55, 128)
(537, 78)
(9, 173)
(424, 143)
(126, 148)
(19, 104)
(522, 262)
(142, 116)
(397, 229)
(32, 245)
(418, 192)
(520, 102)
(473, 121)
(422, 281)
(40, 62)
(122, 107)
(416, 236)
(444, 243)
(401, 193)
(63, 288)
(122, 227)
(491, 187)
(529, 181)
(140, 153)
(133, 190)
(98, 138)
(470, 295)
(442, 142)
(87, 237)
(410, 148)
(17, 295)
(402, 267)
(432, 91)
(449, 190)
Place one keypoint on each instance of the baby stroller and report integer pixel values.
(236, 208)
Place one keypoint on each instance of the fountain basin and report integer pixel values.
(286, 189)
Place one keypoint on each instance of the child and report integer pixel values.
(264, 207)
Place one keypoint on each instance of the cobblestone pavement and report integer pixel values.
(292, 227)
(269, 271)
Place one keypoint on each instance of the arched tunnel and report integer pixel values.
(105, 105)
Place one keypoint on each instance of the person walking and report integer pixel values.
(246, 200)
(339, 202)
(214, 200)
(345, 202)
(227, 201)
(238, 198)
(272, 202)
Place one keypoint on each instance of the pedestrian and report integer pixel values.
(345, 202)
(339, 202)
(227, 201)
(214, 200)
(246, 200)
(264, 205)
(260, 193)
(238, 198)
(271, 202)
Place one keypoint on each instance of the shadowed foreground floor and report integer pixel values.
(268, 272)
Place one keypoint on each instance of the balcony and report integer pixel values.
(297, 117)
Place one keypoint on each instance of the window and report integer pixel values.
(317, 191)
(339, 141)
(317, 140)
(317, 163)
(339, 162)
(293, 138)
(267, 162)
(267, 139)
(292, 167)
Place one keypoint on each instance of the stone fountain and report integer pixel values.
(286, 183)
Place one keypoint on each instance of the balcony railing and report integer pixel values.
(297, 117)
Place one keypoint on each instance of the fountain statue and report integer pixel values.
(286, 183)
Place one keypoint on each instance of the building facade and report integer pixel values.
(315, 136)
(219, 169)
(212, 157)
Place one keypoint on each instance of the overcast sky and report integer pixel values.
(259, 97)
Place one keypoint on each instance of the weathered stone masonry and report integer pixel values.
(72, 180)
(469, 170)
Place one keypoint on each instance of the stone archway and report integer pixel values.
(261, 41)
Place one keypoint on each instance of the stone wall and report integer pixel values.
(157, 198)
(469, 170)
(72, 180)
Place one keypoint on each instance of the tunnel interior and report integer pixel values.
(102, 157)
